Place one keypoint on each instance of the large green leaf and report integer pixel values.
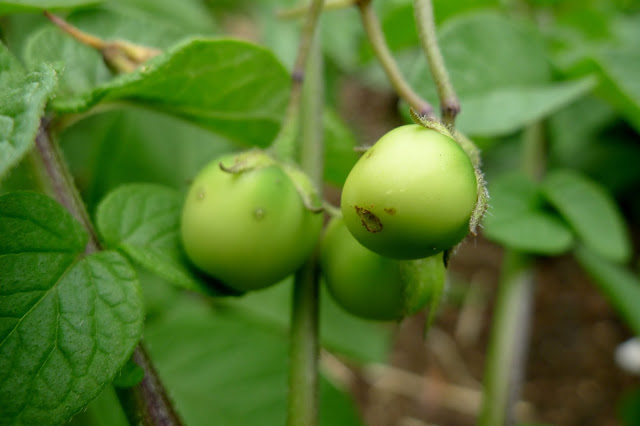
(21, 6)
(518, 106)
(591, 212)
(84, 68)
(234, 88)
(516, 219)
(23, 97)
(68, 322)
(618, 284)
(143, 221)
(497, 64)
(224, 368)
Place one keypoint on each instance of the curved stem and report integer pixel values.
(380, 48)
(81, 36)
(284, 144)
(449, 104)
(149, 404)
(304, 349)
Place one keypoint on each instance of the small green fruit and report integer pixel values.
(247, 226)
(411, 195)
(372, 286)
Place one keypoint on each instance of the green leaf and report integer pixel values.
(141, 146)
(340, 155)
(234, 88)
(21, 6)
(504, 111)
(143, 221)
(591, 212)
(516, 219)
(68, 322)
(23, 97)
(84, 67)
(616, 282)
(192, 15)
(222, 368)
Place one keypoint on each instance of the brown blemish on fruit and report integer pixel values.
(369, 220)
(259, 214)
(390, 211)
(200, 195)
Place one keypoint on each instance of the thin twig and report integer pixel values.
(148, 398)
(76, 33)
(449, 104)
(383, 53)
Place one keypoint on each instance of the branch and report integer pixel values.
(304, 349)
(149, 400)
(380, 48)
(449, 104)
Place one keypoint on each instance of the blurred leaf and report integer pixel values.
(517, 106)
(339, 332)
(629, 408)
(591, 212)
(516, 219)
(84, 68)
(191, 15)
(129, 375)
(340, 155)
(143, 221)
(616, 282)
(23, 97)
(21, 6)
(621, 85)
(137, 145)
(222, 368)
(105, 410)
(69, 322)
(231, 87)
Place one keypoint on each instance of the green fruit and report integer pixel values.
(248, 228)
(411, 195)
(372, 286)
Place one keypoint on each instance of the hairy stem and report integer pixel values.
(285, 143)
(380, 48)
(148, 397)
(449, 104)
(304, 349)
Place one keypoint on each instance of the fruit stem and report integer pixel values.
(81, 36)
(509, 340)
(304, 346)
(284, 144)
(449, 104)
(383, 53)
(148, 397)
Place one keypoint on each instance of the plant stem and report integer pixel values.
(148, 397)
(147, 403)
(511, 324)
(285, 142)
(304, 349)
(449, 104)
(380, 48)
(509, 341)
